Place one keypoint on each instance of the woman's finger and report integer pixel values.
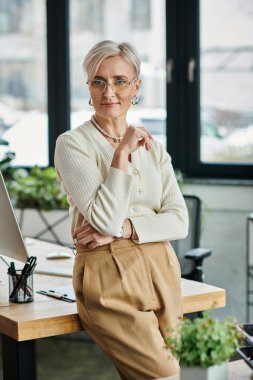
(86, 240)
(147, 131)
(85, 232)
(145, 141)
(82, 235)
(145, 138)
(83, 227)
(92, 245)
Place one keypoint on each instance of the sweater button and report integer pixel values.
(135, 171)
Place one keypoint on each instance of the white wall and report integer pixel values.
(225, 210)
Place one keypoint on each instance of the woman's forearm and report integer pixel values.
(120, 160)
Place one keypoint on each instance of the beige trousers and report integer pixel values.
(127, 297)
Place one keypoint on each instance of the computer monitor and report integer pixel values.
(11, 240)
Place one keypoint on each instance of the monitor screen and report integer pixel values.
(11, 240)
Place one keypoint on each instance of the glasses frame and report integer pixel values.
(111, 84)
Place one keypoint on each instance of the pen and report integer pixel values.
(32, 263)
(12, 272)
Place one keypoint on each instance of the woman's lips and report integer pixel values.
(109, 104)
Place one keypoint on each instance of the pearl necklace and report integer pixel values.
(114, 138)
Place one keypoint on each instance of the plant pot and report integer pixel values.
(216, 372)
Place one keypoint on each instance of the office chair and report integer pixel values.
(189, 254)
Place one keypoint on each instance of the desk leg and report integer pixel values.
(18, 359)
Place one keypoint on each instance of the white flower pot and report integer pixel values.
(216, 372)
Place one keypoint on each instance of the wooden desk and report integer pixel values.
(22, 324)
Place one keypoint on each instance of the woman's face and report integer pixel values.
(111, 102)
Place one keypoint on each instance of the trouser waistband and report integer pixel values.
(111, 247)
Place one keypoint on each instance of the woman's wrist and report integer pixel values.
(121, 151)
(127, 225)
(120, 160)
(129, 230)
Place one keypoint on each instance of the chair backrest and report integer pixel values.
(182, 246)
(250, 240)
(249, 272)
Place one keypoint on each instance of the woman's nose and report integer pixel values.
(109, 91)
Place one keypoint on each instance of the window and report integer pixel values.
(117, 25)
(87, 15)
(141, 14)
(226, 78)
(23, 101)
(209, 87)
(202, 47)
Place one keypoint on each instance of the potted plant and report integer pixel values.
(5, 165)
(204, 346)
(39, 188)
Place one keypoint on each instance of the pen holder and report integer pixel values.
(24, 292)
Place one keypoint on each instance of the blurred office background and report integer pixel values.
(196, 98)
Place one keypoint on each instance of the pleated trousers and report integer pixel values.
(128, 295)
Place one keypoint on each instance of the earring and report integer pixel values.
(90, 102)
(135, 100)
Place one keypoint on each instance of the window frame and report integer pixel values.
(58, 71)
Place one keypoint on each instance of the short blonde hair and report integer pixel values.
(106, 49)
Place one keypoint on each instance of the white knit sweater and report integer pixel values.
(104, 196)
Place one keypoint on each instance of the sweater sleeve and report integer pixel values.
(171, 221)
(102, 201)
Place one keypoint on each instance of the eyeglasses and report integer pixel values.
(117, 85)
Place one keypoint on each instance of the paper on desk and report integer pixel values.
(65, 293)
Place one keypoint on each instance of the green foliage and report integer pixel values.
(5, 165)
(39, 188)
(180, 178)
(203, 342)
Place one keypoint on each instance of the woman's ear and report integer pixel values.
(137, 84)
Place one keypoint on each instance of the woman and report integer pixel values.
(125, 205)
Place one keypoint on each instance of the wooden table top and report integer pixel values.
(47, 316)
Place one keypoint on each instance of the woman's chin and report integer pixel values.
(113, 112)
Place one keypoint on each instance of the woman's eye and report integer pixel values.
(98, 83)
(120, 82)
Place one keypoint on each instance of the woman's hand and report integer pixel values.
(87, 235)
(134, 138)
